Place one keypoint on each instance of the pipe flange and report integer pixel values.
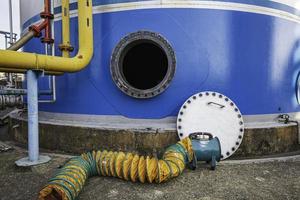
(46, 15)
(36, 29)
(124, 46)
(47, 40)
(66, 47)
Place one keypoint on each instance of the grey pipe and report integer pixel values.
(10, 79)
(12, 91)
(33, 123)
(22, 41)
(10, 23)
(33, 120)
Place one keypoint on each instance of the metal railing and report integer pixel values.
(8, 39)
(12, 79)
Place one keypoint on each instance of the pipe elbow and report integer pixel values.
(74, 64)
(82, 59)
(12, 60)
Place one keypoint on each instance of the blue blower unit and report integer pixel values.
(206, 148)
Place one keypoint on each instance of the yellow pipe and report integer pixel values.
(16, 46)
(66, 45)
(22, 60)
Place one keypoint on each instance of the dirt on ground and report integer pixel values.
(273, 180)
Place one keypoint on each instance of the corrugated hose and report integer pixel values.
(70, 179)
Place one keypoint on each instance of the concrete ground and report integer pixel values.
(271, 180)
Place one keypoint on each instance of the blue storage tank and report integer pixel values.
(152, 55)
(248, 50)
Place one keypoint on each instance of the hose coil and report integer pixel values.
(69, 180)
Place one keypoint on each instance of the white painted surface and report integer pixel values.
(292, 3)
(121, 122)
(212, 113)
(30, 8)
(4, 19)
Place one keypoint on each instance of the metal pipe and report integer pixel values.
(22, 60)
(10, 79)
(33, 32)
(32, 103)
(33, 123)
(10, 22)
(53, 88)
(66, 47)
(33, 129)
(45, 24)
(24, 71)
(19, 44)
(50, 50)
(22, 41)
(5, 42)
(7, 35)
(53, 81)
(52, 91)
(16, 80)
(13, 91)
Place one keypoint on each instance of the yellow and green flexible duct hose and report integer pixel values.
(69, 180)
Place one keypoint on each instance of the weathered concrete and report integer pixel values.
(78, 140)
(266, 141)
(77, 137)
(275, 180)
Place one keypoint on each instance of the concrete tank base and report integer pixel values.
(81, 133)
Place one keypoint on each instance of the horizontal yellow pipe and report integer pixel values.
(23, 60)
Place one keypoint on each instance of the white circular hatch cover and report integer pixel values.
(214, 113)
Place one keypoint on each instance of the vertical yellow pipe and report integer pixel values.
(66, 45)
(22, 60)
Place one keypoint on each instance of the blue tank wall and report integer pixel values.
(249, 57)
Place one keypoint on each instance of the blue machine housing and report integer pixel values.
(205, 149)
(252, 58)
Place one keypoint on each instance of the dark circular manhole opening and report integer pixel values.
(143, 64)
